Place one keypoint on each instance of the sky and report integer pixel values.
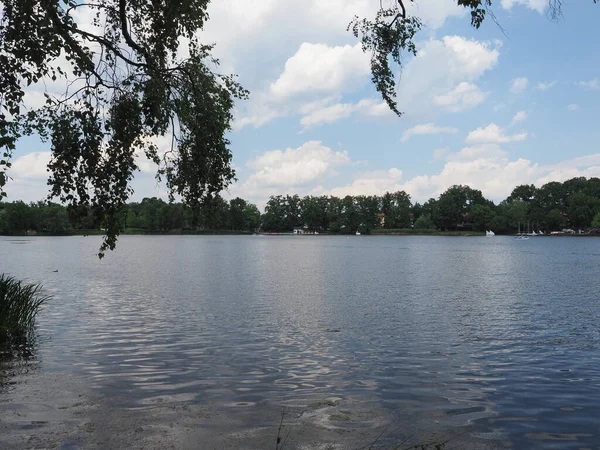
(490, 108)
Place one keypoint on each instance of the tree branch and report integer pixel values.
(123, 16)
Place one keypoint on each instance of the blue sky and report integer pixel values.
(482, 108)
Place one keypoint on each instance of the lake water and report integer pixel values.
(491, 341)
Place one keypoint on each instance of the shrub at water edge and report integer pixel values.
(19, 304)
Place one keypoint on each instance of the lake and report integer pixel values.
(204, 341)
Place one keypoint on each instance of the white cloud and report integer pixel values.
(485, 167)
(492, 134)
(462, 97)
(538, 5)
(320, 68)
(582, 166)
(519, 117)
(573, 107)
(443, 72)
(592, 85)
(545, 86)
(370, 183)
(31, 165)
(294, 166)
(320, 112)
(265, 25)
(428, 128)
(439, 68)
(328, 114)
(519, 85)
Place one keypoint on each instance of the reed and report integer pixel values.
(19, 304)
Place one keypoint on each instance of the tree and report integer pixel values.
(243, 216)
(126, 87)
(17, 217)
(213, 213)
(251, 217)
(555, 220)
(398, 214)
(596, 221)
(237, 219)
(274, 217)
(523, 193)
(482, 217)
(552, 196)
(424, 222)
(516, 212)
(314, 212)
(451, 207)
(581, 209)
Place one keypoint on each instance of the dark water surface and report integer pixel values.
(498, 337)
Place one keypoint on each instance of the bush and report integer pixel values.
(424, 223)
(19, 304)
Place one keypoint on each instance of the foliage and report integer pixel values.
(19, 304)
(596, 221)
(127, 86)
(424, 223)
(151, 215)
(554, 206)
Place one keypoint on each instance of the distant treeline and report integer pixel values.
(555, 206)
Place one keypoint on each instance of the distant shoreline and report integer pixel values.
(378, 232)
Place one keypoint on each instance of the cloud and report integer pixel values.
(485, 167)
(265, 25)
(294, 166)
(320, 68)
(519, 85)
(573, 107)
(370, 183)
(538, 5)
(545, 86)
(462, 97)
(492, 134)
(320, 112)
(428, 128)
(435, 77)
(31, 165)
(519, 117)
(592, 85)
(441, 75)
(582, 166)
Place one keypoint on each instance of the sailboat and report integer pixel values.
(489, 233)
(521, 236)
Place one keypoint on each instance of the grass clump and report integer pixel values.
(19, 304)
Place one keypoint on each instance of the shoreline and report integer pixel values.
(271, 234)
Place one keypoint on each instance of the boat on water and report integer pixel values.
(358, 233)
(522, 236)
(489, 233)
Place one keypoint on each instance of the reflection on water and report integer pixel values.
(17, 358)
(490, 333)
